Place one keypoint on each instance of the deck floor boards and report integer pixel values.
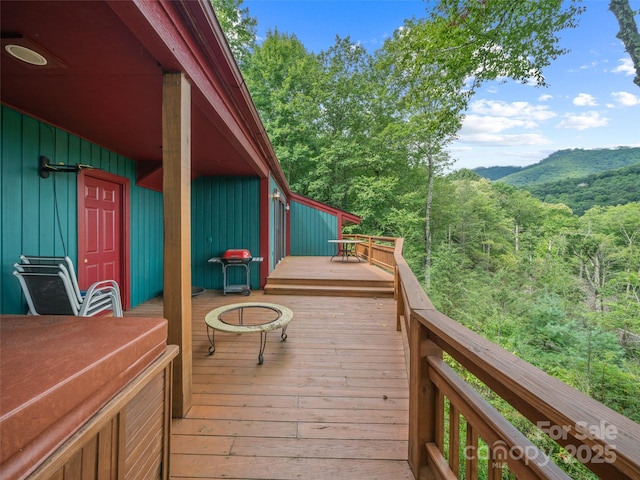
(323, 268)
(330, 402)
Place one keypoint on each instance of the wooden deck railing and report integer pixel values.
(378, 251)
(455, 433)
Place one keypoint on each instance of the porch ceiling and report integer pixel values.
(103, 81)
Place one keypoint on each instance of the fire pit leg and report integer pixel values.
(263, 344)
(212, 339)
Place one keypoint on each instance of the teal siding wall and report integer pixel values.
(310, 230)
(147, 244)
(29, 222)
(225, 213)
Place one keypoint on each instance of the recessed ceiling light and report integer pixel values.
(25, 54)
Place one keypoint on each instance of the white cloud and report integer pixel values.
(625, 67)
(588, 66)
(518, 110)
(459, 148)
(545, 97)
(584, 100)
(489, 120)
(490, 124)
(583, 121)
(626, 99)
(504, 140)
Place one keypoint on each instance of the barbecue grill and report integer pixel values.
(239, 257)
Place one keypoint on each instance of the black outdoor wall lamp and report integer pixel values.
(45, 167)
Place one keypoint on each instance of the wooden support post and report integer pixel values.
(176, 187)
(423, 414)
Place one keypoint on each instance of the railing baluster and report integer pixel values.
(439, 413)
(471, 454)
(494, 465)
(454, 438)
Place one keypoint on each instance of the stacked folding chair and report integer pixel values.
(51, 287)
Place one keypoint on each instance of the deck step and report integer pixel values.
(335, 282)
(322, 277)
(329, 290)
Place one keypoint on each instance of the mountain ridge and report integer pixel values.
(580, 181)
(564, 164)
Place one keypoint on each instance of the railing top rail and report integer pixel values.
(415, 297)
(380, 239)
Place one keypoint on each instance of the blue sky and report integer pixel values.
(591, 101)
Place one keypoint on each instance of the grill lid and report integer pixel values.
(239, 254)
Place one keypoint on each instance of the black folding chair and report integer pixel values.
(51, 288)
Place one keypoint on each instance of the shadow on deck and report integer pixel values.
(329, 402)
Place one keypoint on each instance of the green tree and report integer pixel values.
(281, 76)
(429, 111)
(487, 40)
(345, 122)
(238, 26)
(521, 207)
(607, 247)
(481, 227)
(429, 62)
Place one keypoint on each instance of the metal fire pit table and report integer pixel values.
(236, 258)
(224, 320)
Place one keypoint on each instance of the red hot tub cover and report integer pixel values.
(57, 372)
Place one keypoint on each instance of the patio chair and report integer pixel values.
(52, 289)
(55, 261)
(68, 263)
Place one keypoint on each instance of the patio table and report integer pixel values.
(345, 249)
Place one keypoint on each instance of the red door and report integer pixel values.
(101, 228)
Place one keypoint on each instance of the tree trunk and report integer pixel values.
(628, 32)
(427, 230)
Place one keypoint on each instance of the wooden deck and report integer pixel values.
(329, 402)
